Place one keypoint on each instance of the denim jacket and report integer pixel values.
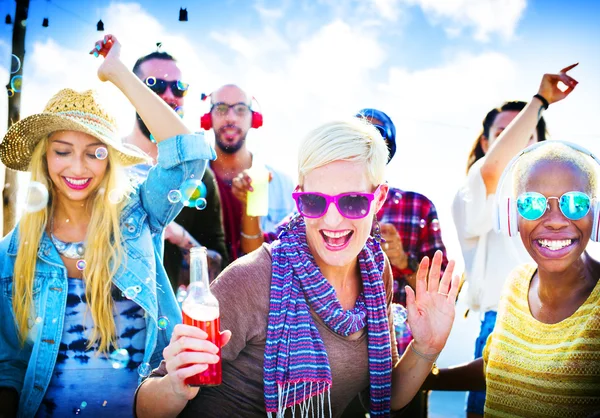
(28, 368)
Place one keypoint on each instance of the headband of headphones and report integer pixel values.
(206, 119)
(505, 208)
(386, 124)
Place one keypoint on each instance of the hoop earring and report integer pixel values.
(376, 231)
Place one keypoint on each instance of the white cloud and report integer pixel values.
(333, 71)
(387, 8)
(484, 16)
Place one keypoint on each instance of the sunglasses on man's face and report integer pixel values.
(574, 205)
(349, 205)
(159, 86)
(221, 109)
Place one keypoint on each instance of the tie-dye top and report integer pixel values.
(89, 383)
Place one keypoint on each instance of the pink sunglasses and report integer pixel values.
(352, 205)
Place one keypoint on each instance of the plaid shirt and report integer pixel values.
(416, 220)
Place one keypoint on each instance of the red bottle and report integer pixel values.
(201, 309)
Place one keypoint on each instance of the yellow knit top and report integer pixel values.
(533, 369)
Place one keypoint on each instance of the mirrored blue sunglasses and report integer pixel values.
(574, 205)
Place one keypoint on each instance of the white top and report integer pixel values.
(489, 257)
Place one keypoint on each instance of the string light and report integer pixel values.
(183, 16)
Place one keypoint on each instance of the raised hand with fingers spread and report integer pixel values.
(431, 308)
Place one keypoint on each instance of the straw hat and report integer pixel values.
(68, 110)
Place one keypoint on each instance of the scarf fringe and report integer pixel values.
(311, 407)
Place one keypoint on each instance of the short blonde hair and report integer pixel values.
(353, 140)
(555, 152)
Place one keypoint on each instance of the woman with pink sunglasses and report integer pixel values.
(307, 319)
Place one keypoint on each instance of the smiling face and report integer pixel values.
(231, 128)
(75, 170)
(333, 239)
(554, 241)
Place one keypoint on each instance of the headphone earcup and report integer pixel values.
(206, 121)
(596, 213)
(257, 120)
(506, 219)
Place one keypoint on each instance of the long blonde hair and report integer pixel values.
(103, 254)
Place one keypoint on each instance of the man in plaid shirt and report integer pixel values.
(409, 225)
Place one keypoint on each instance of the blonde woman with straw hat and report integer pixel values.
(86, 307)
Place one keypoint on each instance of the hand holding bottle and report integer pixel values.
(188, 354)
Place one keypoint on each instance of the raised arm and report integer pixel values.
(430, 309)
(516, 136)
(161, 120)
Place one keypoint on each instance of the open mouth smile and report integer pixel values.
(77, 184)
(336, 240)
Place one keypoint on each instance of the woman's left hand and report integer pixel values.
(431, 308)
(110, 49)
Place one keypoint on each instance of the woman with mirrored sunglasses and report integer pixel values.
(490, 257)
(543, 357)
(309, 316)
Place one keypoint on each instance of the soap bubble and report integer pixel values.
(81, 264)
(400, 314)
(182, 86)
(15, 64)
(36, 198)
(201, 204)
(181, 293)
(422, 223)
(435, 225)
(163, 323)
(179, 111)
(144, 369)
(101, 153)
(115, 196)
(174, 196)
(16, 83)
(119, 358)
(192, 190)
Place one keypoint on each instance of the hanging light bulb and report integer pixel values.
(183, 15)
(8, 19)
(100, 26)
(45, 22)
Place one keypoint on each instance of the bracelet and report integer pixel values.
(543, 100)
(423, 356)
(257, 236)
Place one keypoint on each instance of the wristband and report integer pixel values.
(257, 236)
(430, 359)
(543, 100)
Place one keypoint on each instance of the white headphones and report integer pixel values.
(505, 209)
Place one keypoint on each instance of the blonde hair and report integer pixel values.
(353, 140)
(103, 253)
(555, 152)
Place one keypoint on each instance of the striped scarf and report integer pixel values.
(296, 367)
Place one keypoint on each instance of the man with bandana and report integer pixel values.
(231, 118)
(192, 227)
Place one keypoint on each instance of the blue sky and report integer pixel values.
(436, 66)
